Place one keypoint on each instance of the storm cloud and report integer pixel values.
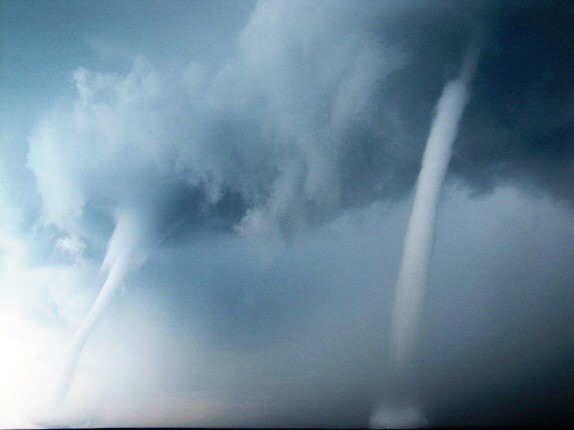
(256, 181)
(323, 107)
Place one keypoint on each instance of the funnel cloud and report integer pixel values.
(420, 235)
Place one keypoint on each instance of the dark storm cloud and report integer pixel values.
(324, 107)
(521, 125)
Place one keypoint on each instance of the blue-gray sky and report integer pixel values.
(267, 153)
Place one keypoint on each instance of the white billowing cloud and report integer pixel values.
(273, 125)
(315, 69)
(95, 149)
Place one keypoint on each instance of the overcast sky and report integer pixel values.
(256, 161)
